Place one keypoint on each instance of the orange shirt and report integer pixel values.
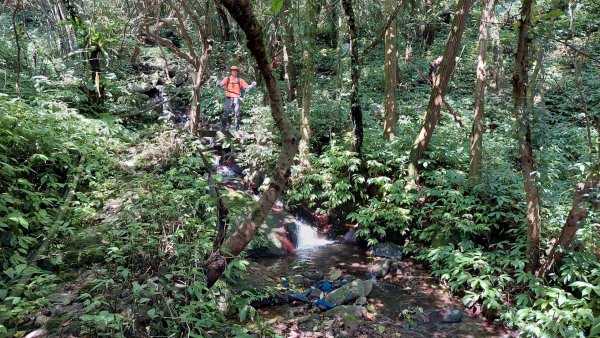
(233, 86)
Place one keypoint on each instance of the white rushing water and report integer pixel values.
(308, 237)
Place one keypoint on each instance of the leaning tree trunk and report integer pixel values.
(440, 83)
(355, 109)
(585, 193)
(391, 66)
(308, 78)
(523, 119)
(241, 11)
(487, 7)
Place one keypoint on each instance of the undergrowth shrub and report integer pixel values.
(44, 148)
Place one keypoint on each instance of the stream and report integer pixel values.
(410, 288)
(406, 302)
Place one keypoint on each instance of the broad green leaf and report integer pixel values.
(276, 6)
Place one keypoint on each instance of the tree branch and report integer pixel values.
(379, 37)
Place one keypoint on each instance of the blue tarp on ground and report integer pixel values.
(322, 285)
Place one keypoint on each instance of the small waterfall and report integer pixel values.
(308, 237)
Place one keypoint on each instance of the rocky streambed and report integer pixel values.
(381, 296)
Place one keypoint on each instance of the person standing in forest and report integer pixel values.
(234, 87)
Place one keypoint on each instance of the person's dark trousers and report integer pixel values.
(235, 102)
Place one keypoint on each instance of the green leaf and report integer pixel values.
(20, 220)
(19, 268)
(152, 313)
(243, 312)
(15, 300)
(595, 328)
(276, 6)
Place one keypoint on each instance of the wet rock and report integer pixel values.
(420, 317)
(303, 319)
(387, 249)
(315, 293)
(37, 333)
(346, 310)
(314, 275)
(61, 298)
(445, 316)
(335, 274)
(41, 320)
(350, 292)
(361, 301)
(350, 236)
(368, 286)
(297, 280)
(380, 267)
(140, 87)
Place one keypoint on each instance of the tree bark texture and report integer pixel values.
(289, 53)
(391, 20)
(355, 109)
(241, 11)
(585, 193)
(436, 98)
(523, 119)
(18, 46)
(391, 66)
(223, 23)
(95, 67)
(496, 69)
(428, 28)
(487, 7)
(199, 77)
(308, 79)
(181, 12)
(194, 114)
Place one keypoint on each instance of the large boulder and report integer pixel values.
(350, 292)
(380, 267)
(387, 250)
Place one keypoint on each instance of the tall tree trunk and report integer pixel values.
(207, 45)
(242, 12)
(355, 109)
(584, 104)
(194, 114)
(18, 45)
(308, 79)
(496, 69)
(523, 119)
(391, 80)
(223, 23)
(427, 28)
(436, 98)
(585, 193)
(96, 98)
(289, 53)
(487, 7)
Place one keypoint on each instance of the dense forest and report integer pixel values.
(286, 168)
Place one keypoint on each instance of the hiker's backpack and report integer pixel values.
(242, 91)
